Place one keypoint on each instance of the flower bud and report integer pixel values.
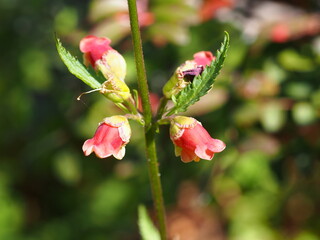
(186, 72)
(192, 141)
(110, 138)
(112, 64)
(94, 48)
(115, 90)
(102, 57)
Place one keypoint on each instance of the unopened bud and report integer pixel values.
(186, 72)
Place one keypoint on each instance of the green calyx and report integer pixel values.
(115, 90)
(179, 123)
(178, 82)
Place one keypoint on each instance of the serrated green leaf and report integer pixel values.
(201, 84)
(174, 100)
(147, 230)
(76, 67)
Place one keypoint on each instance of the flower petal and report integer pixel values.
(87, 147)
(89, 43)
(187, 156)
(203, 58)
(216, 145)
(102, 151)
(94, 47)
(203, 152)
(125, 132)
(120, 154)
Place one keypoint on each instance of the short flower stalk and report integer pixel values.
(191, 80)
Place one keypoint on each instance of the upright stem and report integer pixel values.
(150, 126)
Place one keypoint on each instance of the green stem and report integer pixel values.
(162, 107)
(141, 71)
(122, 107)
(150, 126)
(132, 106)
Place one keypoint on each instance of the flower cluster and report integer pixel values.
(192, 142)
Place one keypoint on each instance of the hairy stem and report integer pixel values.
(150, 126)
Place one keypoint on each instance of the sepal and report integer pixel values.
(115, 90)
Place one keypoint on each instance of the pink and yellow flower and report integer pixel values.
(94, 48)
(98, 53)
(110, 138)
(193, 142)
(186, 72)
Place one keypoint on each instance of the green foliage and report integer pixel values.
(76, 67)
(109, 198)
(67, 168)
(147, 229)
(304, 113)
(11, 211)
(293, 61)
(36, 69)
(273, 116)
(201, 84)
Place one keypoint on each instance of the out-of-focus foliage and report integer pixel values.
(146, 226)
(265, 105)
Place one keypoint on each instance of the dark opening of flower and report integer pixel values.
(190, 74)
(186, 73)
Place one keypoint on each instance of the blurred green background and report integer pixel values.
(265, 105)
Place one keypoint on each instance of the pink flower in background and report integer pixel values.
(280, 33)
(192, 141)
(210, 7)
(301, 26)
(154, 102)
(145, 18)
(94, 48)
(110, 138)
